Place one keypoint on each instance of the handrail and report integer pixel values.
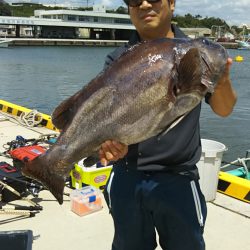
(235, 162)
(243, 163)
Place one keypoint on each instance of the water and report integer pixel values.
(41, 77)
(233, 131)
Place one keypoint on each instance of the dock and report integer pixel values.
(57, 227)
(229, 45)
(65, 42)
(84, 42)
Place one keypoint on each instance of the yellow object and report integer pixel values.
(234, 186)
(17, 110)
(239, 58)
(93, 176)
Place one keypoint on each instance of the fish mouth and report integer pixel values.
(175, 90)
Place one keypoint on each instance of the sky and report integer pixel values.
(234, 12)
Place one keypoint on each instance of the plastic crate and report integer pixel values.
(94, 175)
(27, 153)
(85, 200)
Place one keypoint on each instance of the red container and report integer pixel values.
(27, 153)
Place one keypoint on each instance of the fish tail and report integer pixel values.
(39, 170)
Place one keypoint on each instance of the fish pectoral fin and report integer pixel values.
(63, 114)
(87, 99)
(189, 69)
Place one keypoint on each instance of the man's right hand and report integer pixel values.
(112, 151)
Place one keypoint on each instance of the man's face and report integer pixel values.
(152, 20)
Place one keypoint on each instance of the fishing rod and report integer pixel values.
(17, 212)
(11, 189)
(33, 188)
(29, 211)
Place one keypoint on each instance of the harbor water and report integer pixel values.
(41, 77)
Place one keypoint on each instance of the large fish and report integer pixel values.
(147, 89)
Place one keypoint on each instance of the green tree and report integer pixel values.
(5, 9)
(122, 10)
(189, 21)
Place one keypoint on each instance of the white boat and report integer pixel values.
(4, 43)
(243, 44)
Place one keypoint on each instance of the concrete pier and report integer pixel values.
(229, 45)
(65, 42)
(83, 42)
(57, 227)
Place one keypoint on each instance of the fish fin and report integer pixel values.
(38, 170)
(189, 69)
(63, 114)
(209, 69)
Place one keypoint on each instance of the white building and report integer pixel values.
(99, 16)
(96, 24)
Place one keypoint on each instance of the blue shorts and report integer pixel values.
(142, 203)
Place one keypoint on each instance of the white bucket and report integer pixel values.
(209, 167)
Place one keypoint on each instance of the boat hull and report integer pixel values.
(4, 44)
(243, 45)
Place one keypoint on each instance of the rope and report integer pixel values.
(3, 118)
(29, 118)
(16, 120)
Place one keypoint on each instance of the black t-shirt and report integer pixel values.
(178, 150)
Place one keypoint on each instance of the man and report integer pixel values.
(154, 184)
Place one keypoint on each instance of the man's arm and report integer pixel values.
(224, 97)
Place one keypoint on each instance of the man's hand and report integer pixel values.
(112, 151)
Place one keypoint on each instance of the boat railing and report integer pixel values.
(239, 162)
(243, 163)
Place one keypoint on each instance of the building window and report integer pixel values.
(83, 19)
(95, 19)
(124, 21)
(71, 18)
(105, 20)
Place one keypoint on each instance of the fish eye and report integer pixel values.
(206, 41)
